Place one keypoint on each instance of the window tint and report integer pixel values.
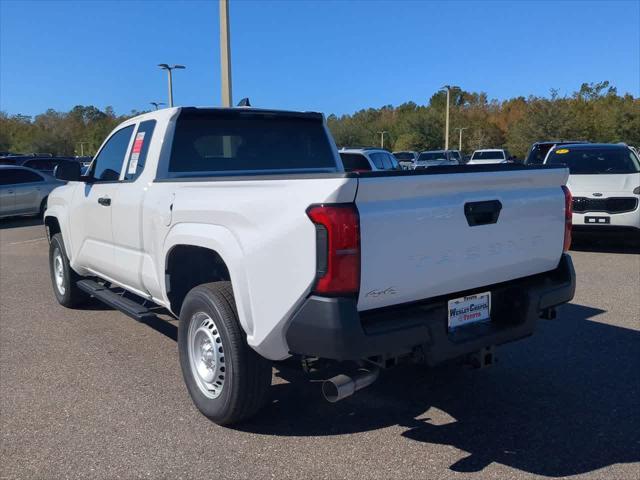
(240, 142)
(404, 156)
(490, 155)
(355, 162)
(138, 156)
(394, 163)
(13, 176)
(108, 163)
(386, 161)
(437, 155)
(595, 161)
(41, 164)
(376, 158)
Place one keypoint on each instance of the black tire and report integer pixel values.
(247, 375)
(68, 294)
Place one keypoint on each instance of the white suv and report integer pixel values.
(605, 183)
(368, 159)
(489, 155)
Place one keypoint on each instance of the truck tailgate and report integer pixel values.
(424, 235)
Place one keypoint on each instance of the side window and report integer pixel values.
(386, 161)
(394, 163)
(107, 165)
(138, 156)
(14, 176)
(25, 176)
(8, 176)
(376, 158)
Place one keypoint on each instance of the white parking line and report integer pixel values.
(34, 240)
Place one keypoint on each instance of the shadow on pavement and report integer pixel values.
(561, 403)
(17, 222)
(605, 244)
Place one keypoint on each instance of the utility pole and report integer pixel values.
(460, 139)
(157, 104)
(225, 54)
(382, 133)
(169, 68)
(448, 88)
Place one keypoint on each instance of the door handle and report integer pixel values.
(482, 213)
(105, 201)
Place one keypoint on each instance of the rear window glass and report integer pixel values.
(498, 155)
(403, 156)
(595, 161)
(354, 162)
(432, 156)
(242, 142)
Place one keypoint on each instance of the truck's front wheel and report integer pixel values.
(63, 278)
(227, 380)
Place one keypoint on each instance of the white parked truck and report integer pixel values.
(243, 224)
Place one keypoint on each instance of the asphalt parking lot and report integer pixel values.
(93, 394)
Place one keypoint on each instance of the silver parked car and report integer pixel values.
(436, 158)
(24, 191)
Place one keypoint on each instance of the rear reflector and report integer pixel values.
(338, 249)
(568, 217)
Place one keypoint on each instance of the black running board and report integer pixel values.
(127, 306)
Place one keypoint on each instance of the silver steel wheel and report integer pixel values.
(206, 355)
(58, 270)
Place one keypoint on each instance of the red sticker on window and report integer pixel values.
(137, 144)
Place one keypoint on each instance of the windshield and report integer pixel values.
(488, 155)
(432, 156)
(403, 156)
(594, 161)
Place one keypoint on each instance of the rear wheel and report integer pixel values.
(63, 278)
(227, 380)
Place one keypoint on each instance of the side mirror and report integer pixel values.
(67, 171)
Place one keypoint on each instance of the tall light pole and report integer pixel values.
(460, 138)
(448, 88)
(82, 144)
(225, 53)
(382, 133)
(156, 104)
(169, 68)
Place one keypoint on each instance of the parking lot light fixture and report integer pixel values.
(382, 134)
(157, 104)
(461, 129)
(448, 88)
(169, 69)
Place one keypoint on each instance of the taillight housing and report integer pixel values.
(338, 249)
(568, 217)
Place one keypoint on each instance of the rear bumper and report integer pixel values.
(333, 328)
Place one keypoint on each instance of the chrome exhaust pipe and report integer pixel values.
(343, 386)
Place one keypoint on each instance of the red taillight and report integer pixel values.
(338, 244)
(568, 217)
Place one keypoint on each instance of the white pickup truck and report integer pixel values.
(243, 223)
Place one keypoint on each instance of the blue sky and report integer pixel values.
(329, 56)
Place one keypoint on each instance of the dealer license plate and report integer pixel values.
(470, 309)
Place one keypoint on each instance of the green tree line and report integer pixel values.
(595, 112)
(59, 133)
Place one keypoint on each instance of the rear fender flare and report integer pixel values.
(225, 244)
